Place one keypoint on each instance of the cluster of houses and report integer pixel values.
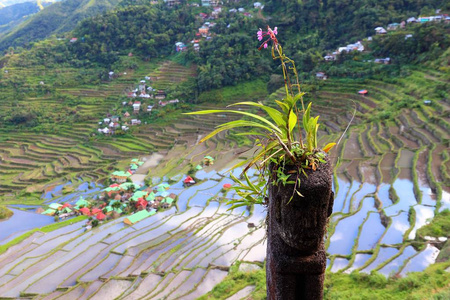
(121, 197)
(207, 3)
(394, 26)
(111, 123)
(204, 30)
(122, 176)
(114, 123)
(358, 46)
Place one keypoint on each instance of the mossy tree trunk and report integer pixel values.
(296, 258)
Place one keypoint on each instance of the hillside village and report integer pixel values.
(123, 197)
(361, 46)
(133, 108)
(143, 98)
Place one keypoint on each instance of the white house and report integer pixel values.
(380, 30)
(257, 5)
(104, 130)
(136, 106)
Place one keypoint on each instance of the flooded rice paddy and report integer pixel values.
(381, 200)
(181, 253)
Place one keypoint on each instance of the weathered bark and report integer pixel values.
(296, 258)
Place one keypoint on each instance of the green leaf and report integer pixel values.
(259, 118)
(250, 184)
(315, 136)
(283, 106)
(276, 116)
(292, 120)
(233, 124)
(289, 101)
(306, 117)
(298, 97)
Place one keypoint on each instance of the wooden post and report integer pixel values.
(296, 258)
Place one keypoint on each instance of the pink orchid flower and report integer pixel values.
(270, 33)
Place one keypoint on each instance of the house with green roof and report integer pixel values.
(150, 197)
(81, 203)
(120, 176)
(136, 217)
(129, 185)
(55, 206)
(138, 194)
(49, 212)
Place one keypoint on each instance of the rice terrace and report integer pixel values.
(156, 223)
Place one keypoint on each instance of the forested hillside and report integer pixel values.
(58, 18)
(307, 29)
(17, 11)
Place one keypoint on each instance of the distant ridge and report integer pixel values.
(57, 18)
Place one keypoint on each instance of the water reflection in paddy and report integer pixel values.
(354, 187)
(344, 185)
(54, 191)
(421, 261)
(339, 264)
(189, 192)
(203, 231)
(383, 194)
(428, 197)
(341, 242)
(360, 260)
(445, 201)
(20, 222)
(394, 266)
(423, 215)
(371, 232)
(365, 189)
(383, 255)
(405, 191)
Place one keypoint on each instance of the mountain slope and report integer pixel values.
(6, 3)
(14, 12)
(57, 18)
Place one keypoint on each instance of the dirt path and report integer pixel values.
(149, 163)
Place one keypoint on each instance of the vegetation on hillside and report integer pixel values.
(14, 12)
(433, 283)
(5, 212)
(439, 227)
(58, 18)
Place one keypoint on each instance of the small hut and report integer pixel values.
(188, 181)
(208, 160)
(363, 92)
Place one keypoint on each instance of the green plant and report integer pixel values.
(279, 143)
(5, 212)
